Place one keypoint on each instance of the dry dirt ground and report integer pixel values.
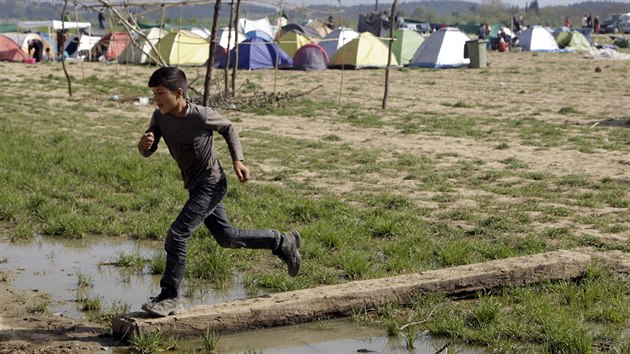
(514, 85)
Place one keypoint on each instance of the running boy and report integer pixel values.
(188, 131)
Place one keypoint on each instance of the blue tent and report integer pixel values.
(256, 53)
(259, 34)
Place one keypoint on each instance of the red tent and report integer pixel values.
(10, 51)
(111, 45)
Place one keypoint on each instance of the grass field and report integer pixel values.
(464, 166)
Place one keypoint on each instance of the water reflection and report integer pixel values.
(52, 265)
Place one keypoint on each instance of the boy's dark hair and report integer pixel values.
(170, 77)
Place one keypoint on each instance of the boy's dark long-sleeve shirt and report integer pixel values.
(189, 140)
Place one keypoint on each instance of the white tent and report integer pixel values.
(537, 39)
(336, 39)
(443, 49)
(223, 34)
(246, 25)
(139, 54)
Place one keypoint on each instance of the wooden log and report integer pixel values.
(339, 300)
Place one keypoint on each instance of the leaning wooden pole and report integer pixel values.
(213, 36)
(61, 45)
(226, 72)
(235, 66)
(392, 20)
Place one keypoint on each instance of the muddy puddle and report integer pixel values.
(52, 266)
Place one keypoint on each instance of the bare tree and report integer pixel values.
(393, 22)
(61, 46)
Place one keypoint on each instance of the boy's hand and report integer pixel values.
(146, 141)
(242, 172)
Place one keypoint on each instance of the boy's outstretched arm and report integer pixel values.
(242, 172)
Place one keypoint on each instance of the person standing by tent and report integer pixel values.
(596, 25)
(101, 20)
(37, 47)
(188, 132)
(567, 22)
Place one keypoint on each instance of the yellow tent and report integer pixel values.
(291, 41)
(184, 48)
(365, 51)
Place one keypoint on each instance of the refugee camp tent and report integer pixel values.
(537, 39)
(336, 39)
(574, 40)
(139, 54)
(310, 57)
(22, 40)
(559, 30)
(306, 30)
(255, 53)
(246, 25)
(86, 43)
(10, 51)
(259, 34)
(443, 49)
(365, 51)
(183, 47)
(406, 43)
(110, 46)
(223, 35)
(291, 41)
(201, 32)
(320, 27)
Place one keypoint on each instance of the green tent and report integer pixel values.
(573, 40)
(365, 51)
(406, 43)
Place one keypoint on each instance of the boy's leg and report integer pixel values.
(200, 204)
(284, 245)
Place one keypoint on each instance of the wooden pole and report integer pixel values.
(61, 45)
(227, 65)
(392, 20)
(235, 66)
(213, 35)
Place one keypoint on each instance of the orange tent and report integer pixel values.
(111, 46)
(10, 51)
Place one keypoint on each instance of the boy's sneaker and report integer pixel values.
(289, 253)
(163, 307)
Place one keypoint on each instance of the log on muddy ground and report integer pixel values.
(339, 300)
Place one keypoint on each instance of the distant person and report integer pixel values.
(37, 47)
(567, 22)
(101, 21)
(517, 26)
(61, 39)
(596, 25)
(484, 30)
(589, 21)
(503, 46)
(584, 21)
(188, 130)
(48, 55)
(66, 17)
